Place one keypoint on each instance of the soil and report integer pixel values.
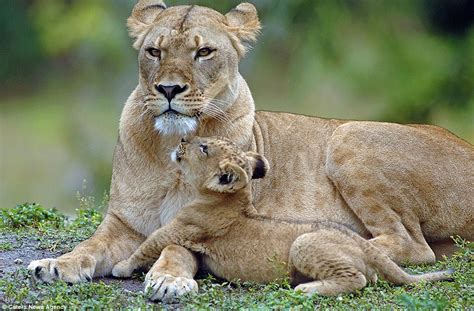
(25, 250)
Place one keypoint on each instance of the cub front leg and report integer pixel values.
(112, 242)
(148, 252)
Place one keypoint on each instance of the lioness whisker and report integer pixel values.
(212, 114)
(220, 101)
(145, 111)
(216, 113)
(142, 98)
(219, 118)
(221, 112)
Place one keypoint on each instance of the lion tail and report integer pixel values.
(394, 273)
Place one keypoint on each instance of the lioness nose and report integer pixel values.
(170, 91)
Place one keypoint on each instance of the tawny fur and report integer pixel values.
(221, 223)
(399, 184)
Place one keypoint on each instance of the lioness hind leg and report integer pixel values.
(444, 248)
(403, 249)
(396, 230)
(385, 177)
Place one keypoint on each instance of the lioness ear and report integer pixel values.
(230, 178)
(259, 164)
(143, 14)
(243, 24)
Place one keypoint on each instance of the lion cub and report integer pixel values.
(222, 224)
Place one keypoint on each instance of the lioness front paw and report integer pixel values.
(163, 287)
(122, 270)
(70, 269)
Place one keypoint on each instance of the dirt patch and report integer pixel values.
(24, 249)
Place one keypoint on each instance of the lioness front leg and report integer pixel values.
(172, 275)
(113, 241)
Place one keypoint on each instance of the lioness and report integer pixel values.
(221, 223)
(399, 185)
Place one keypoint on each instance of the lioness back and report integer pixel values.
(321, 165)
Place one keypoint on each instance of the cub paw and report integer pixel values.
(165, 287)
(308, 289)
(69, 269)
(122, 270)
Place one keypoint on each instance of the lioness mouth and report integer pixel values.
(171, 111)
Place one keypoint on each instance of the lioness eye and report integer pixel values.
(204, 52)
(203, 148)
(154, 52)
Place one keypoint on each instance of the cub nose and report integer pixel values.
(170, 91)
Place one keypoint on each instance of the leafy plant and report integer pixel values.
(31, 215)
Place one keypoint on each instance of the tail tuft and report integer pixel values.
(446, 275)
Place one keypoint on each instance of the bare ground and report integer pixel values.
(25, 249)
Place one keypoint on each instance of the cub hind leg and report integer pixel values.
(334, 286)
(332, 260)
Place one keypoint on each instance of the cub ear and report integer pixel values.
(259, 164)
(143, 14)
(229, 179)
(243, 24)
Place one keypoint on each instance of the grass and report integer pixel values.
(6, 246)
(48, 230)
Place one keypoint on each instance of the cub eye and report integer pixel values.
(204, 52)
(154, 52)
(203, 149)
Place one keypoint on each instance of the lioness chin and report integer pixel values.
(403, 186)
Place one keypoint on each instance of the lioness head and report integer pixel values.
(217, 164)
(188, 60)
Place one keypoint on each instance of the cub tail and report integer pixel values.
(394, 273)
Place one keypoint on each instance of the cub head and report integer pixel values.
(217, 164)
(188, 60)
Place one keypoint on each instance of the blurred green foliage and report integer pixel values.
(20, 48)
(67, 67)
(89, 24)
